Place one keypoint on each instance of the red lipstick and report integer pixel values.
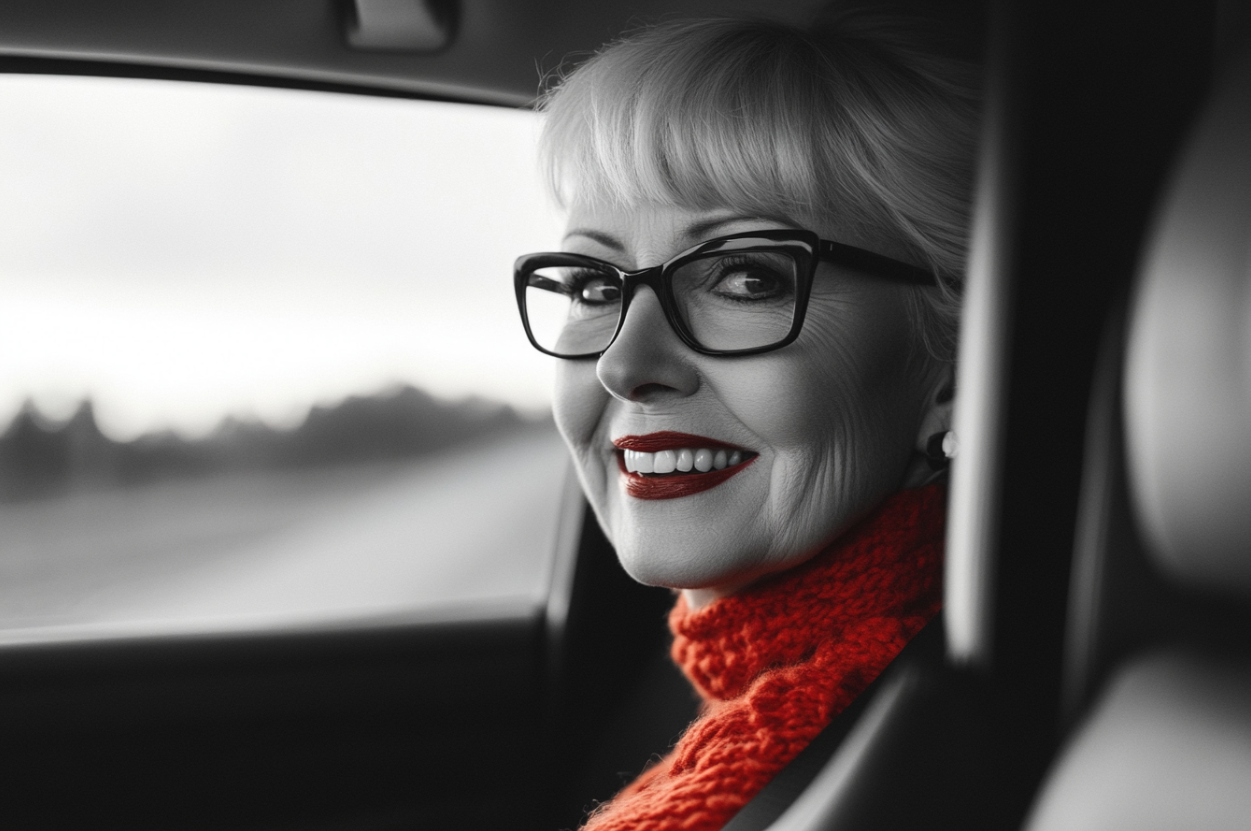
(673, 485)
(668, 440)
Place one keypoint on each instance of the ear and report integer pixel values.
(935, 420)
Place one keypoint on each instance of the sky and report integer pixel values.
(180, 252)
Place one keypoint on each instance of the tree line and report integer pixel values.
(40, 457)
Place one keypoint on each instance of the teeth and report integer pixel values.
(685, 460)
(637, 462)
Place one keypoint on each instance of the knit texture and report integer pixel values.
(777, 661)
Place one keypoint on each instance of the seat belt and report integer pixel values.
(764, 808)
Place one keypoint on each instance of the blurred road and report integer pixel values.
(259, 550)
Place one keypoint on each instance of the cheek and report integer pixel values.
(578, 407)
(577, 403)
(837, 413)
(833, 393)
(862, 369)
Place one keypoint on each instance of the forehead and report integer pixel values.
(656, 221)
(651, 232)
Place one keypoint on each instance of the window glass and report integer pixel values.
(260, 363)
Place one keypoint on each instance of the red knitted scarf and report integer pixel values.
(777, 661)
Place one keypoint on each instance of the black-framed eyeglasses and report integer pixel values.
(740, 294)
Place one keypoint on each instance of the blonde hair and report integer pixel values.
(857, 120)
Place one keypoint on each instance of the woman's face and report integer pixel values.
(825, 427)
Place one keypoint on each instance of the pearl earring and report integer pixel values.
(940, 449)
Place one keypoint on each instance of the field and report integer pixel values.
(474, 525)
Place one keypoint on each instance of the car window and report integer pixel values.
(259, 359)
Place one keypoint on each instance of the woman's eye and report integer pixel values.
(753, 284)
(598, 290)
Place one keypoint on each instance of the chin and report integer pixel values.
(643, 570)
(684, 564)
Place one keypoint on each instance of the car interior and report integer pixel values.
(1093, 665)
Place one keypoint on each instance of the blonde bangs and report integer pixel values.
(703, 126)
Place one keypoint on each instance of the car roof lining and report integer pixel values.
(502, 48)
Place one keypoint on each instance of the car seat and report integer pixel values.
(1158, 646)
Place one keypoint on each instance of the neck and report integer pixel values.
(699, 598)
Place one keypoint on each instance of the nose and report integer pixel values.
(647, 363)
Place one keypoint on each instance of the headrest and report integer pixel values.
(1188, 366)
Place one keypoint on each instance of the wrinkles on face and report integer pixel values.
(832, 418)
(851, 438)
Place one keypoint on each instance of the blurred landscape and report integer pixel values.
(379, 506)
(191, 250)
(40, 457)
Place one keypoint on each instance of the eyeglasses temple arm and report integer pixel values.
(836, 252)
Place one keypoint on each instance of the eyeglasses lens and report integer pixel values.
(742, 300)
(726, 301)
(573, 310)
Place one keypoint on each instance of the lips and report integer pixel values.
(668, 465)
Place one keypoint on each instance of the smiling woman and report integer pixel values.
(756, 304)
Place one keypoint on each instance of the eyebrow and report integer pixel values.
(701, 230)
(696, 231)
(603, 239)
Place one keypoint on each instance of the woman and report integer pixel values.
(757, 303)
